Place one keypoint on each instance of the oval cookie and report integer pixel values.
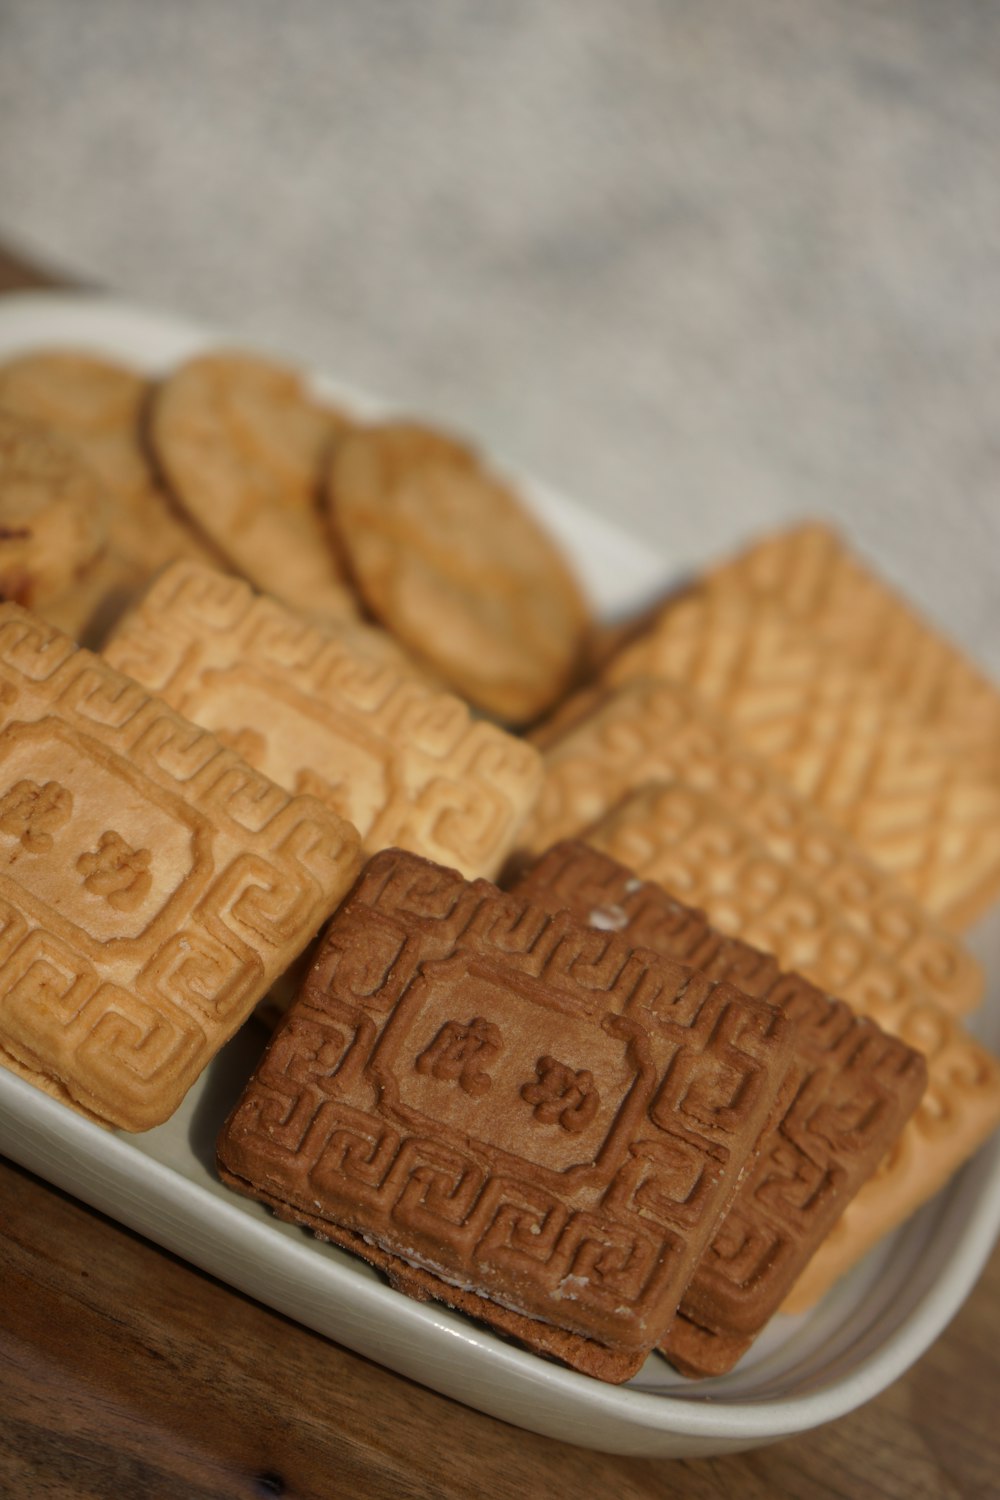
(52, 515)
(446, 556)
(242, 445)
(98, 405)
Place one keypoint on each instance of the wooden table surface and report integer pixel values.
(125, 1373)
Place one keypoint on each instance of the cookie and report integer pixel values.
(53, 517)
(849, 1092)
(316, 711)
(705, 854)
(661, 732)
(152, 885)
(445, 554)
(241, 444)
(98, 406)
(830, 727)
(961, 1105)
(815, 578)
(512, 1105)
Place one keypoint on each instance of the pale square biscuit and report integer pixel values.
(654, 732)
(835, 731)
(816, 579)
(152, 885)
(408, 764)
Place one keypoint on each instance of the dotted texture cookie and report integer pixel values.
(512, 1104)
(448, 558)
(242, 445)
(661, 732)
(406, 764)
(152, 885)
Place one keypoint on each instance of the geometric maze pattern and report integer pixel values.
(152, 885)
(319, 710)
(850, 1090)
(510, 1102)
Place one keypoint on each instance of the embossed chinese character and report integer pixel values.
(117, 872)
(461, 1052)
(560, 1095)
(32, 813)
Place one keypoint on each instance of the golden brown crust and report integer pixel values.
(242, 444)
(445, 554)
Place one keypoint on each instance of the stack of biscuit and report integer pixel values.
(700, 1048)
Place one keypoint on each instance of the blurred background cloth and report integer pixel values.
(704, 267)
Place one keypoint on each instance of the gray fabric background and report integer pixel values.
(703, 266)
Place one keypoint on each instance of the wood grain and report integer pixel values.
(126, 1373)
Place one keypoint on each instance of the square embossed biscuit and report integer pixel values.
(542, 1122)
(849, 1092)
(649, 732)
(317, 712)
(152, 885)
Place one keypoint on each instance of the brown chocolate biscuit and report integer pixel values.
(316, 711)
(242, 444)
(850, 1090)
(449, 559)
(512, 1104)
(152, 885)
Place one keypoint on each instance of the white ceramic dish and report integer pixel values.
(802, 1372)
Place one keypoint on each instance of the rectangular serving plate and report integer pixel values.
(802, 1372)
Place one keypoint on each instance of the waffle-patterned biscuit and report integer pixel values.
(242, 445)
(515, 1105)
(98, 405)
(407, 764)
(849, 1092)
(660, 732)
(705, 854)
(815, 578)
(834, 731)
(152, 885)
(448, 558)
(53, 516)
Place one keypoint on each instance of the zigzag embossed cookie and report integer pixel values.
(317, 712)
(850, 1090)
(152, 885)
(507, 1111)
(447, 557)
(835, 731)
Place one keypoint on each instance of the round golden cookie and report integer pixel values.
(242, 445)
(446, 556)
(99, 405)
(52, 517)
